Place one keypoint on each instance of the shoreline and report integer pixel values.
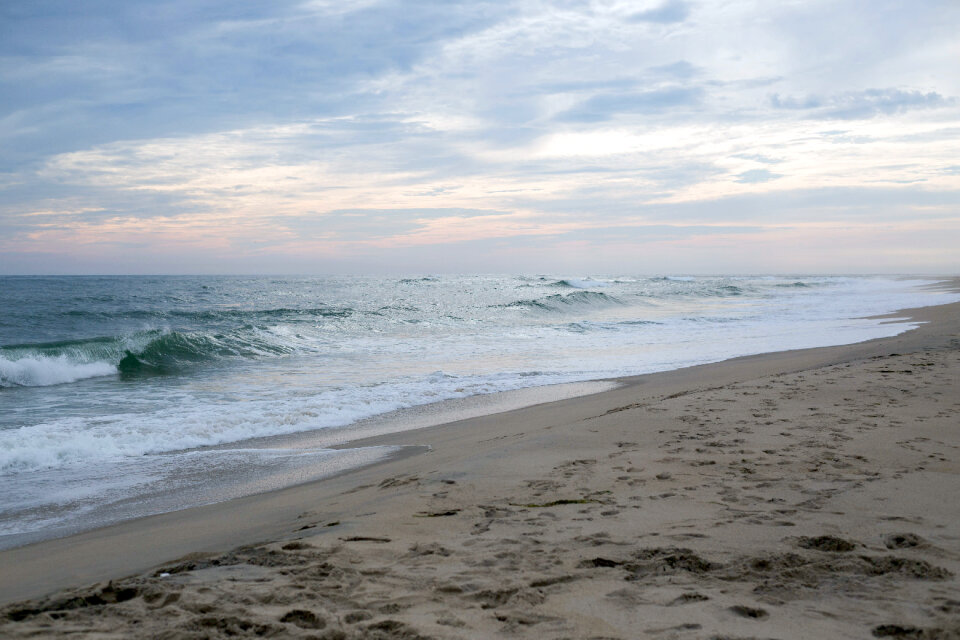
(472, 451)
(232, 480)
(47, 507)
(769, 363)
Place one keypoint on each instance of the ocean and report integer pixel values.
(126, 396)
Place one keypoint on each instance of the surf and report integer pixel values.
(157, 351)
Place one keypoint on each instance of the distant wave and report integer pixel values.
(415, 280)
(560, 302)
(729, 290)
(587, 326)
(699, 288)
(208, 315)
(574, 283)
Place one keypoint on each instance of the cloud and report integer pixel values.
(755, 176)
(756, 157)
(863, 104)
(189, 67)
(668, 12)
(808, 102)
(680, 69)
(578, 85)
(606, 106)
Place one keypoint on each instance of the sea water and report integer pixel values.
(126, 396)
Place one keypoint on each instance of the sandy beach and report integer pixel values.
(805, 494)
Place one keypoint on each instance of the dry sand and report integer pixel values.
(808, 494)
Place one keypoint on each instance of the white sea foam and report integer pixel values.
(59, 502)
(41, 371)
(81, 440)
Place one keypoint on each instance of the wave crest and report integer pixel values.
(558, 303)
(145, 352)
(575, 283)
(171, 351)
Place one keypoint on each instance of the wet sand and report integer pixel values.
(806, 494)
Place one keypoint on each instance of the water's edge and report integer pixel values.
(308, 456)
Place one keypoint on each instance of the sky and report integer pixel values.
(594, 137)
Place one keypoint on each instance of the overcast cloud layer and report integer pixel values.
(728, 136)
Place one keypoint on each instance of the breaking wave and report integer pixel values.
(43, 371)
(558, 303)
(146, 352)
(574, 283)
(214, 315)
